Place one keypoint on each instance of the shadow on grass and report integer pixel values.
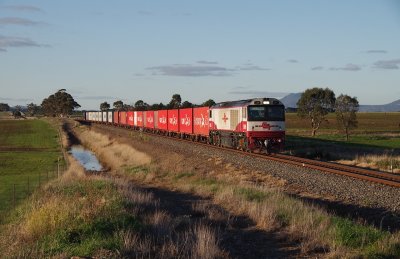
(326, 149)
(380, 218)
(239, 236)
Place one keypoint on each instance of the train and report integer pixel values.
(249, 125)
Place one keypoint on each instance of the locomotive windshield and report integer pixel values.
(266, 113)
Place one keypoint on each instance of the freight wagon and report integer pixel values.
(251, 124)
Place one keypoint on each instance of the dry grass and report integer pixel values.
(313, 228)
(384, 162)
(108, 150)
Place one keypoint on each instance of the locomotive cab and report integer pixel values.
(266, 125)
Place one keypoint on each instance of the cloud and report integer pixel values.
(257, 93)
(240, 87)
(18, 21)
(207, 62)
(18, 42)
(387, 64)
(97, 97)
(250, 67)
(15, 99)
(317, 68)
(348, 67)
(25, 8)
(372, 51)
(292, 61)
(190, 70)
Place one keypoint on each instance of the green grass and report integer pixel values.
(28, 134)
(136, 170)
(29, 152)
(376, 132)
(367, 123)
(251, 194)
(76, 218)
(368, 241)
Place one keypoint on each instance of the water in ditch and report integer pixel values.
(86, 158)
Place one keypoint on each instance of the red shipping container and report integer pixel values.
(122, 118)
(129, 119)
(139, 119)
(116, 117)
(186, 120)
(201, 121)
(173, 120)
(163, 120)
(149, 119)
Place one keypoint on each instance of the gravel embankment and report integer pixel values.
(375, 203)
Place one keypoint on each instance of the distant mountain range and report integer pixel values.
(290, 101)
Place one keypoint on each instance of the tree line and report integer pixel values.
(314, 105)
(140, 105)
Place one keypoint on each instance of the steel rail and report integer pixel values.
(329, 167)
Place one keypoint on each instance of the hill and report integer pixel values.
(290, 100)
(390, 107)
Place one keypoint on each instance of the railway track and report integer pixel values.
(328, 167)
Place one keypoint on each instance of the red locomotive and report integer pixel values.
(251, 124)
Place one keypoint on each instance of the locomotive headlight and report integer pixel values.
(265, 102)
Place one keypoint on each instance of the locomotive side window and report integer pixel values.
(266, 113)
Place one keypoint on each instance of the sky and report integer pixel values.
(222, 50)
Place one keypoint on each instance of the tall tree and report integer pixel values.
(157, 106)
(175, 102)
(104, 106)
(59, 104)
(187, 104)
(140, 105)
(208, 103)
(128, 107)
(346, 108)
(4, 107)
(118, 105)
(32, 109)
(315, 104)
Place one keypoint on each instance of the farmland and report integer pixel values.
(29, 153)
(377, 134)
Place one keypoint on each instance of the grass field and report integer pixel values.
(368, 122)
(29, 153)
(377, 135)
